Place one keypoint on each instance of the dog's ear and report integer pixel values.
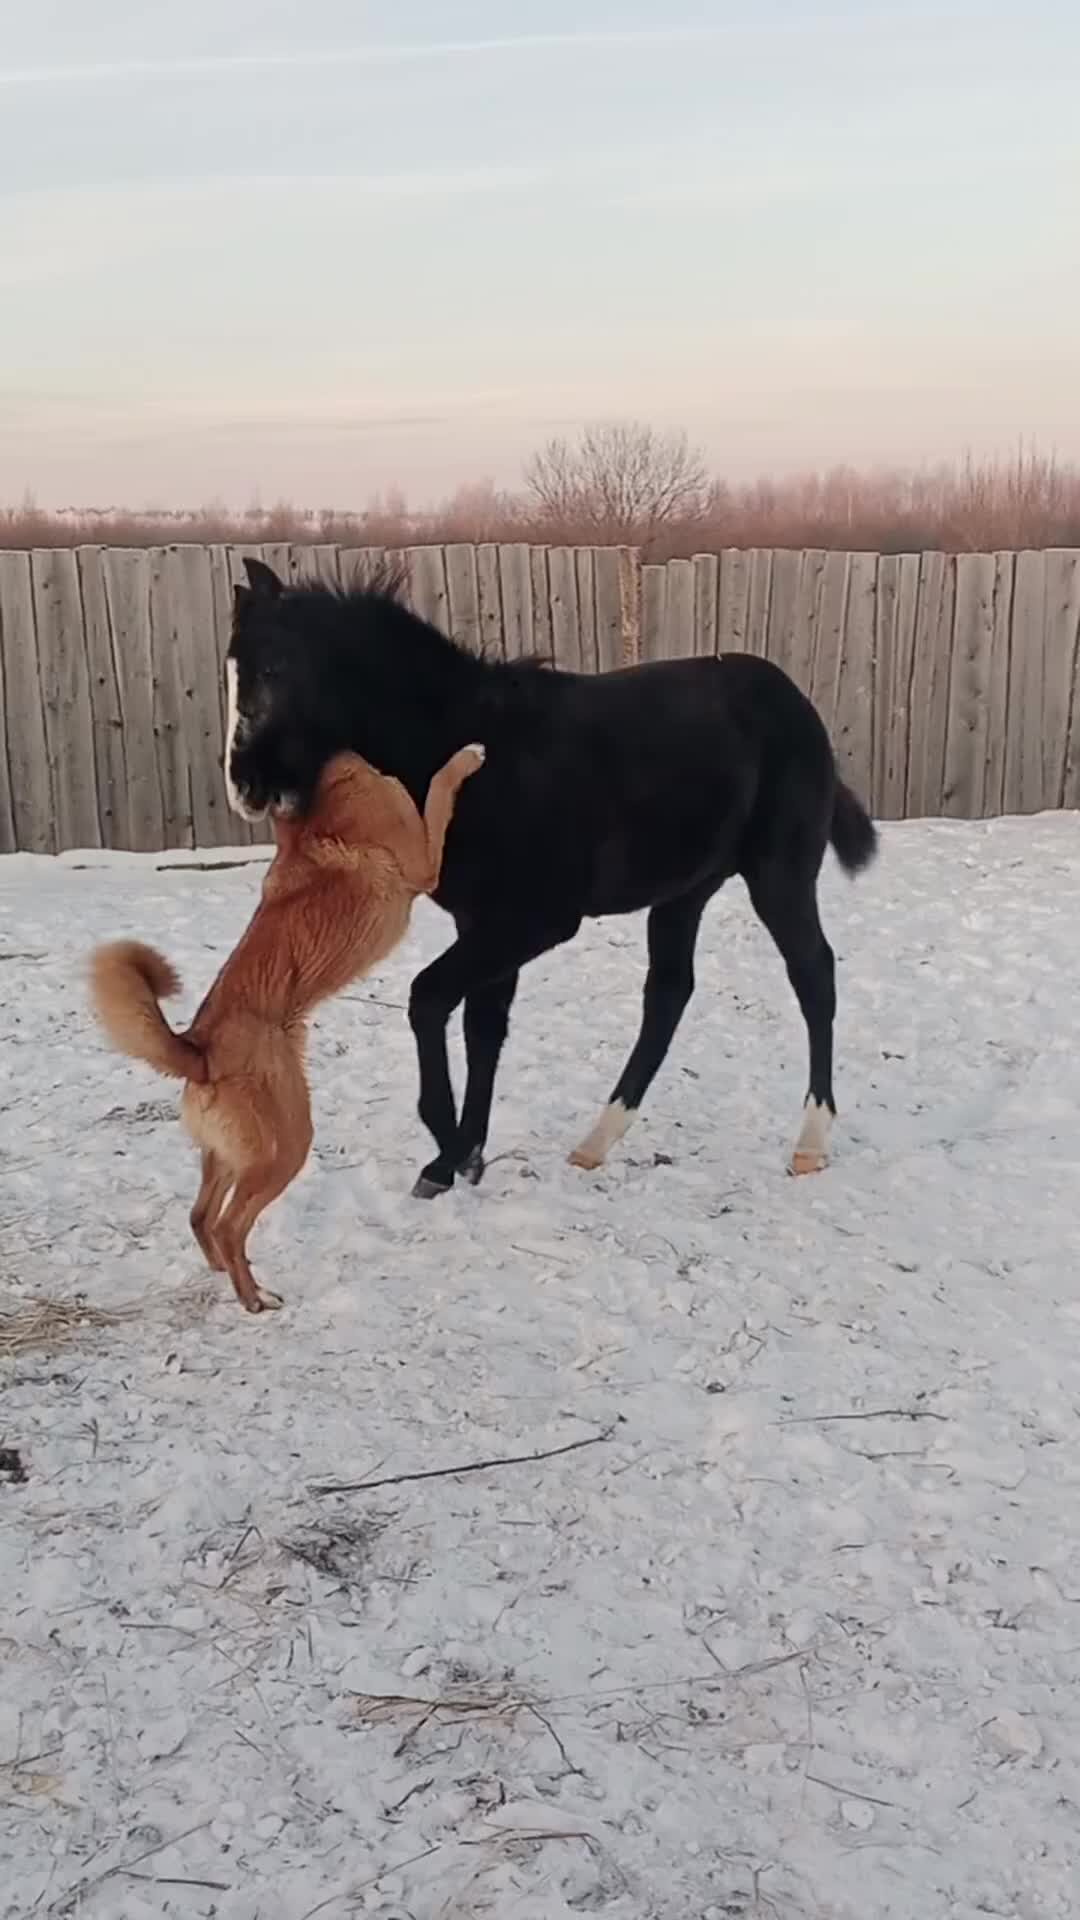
(262, 580)
(241, 598)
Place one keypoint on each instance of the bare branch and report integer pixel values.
(470, 1466)
(622, 479)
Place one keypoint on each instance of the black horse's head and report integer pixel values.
(279, 728)
(313, 670)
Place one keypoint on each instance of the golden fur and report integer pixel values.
(336, 899)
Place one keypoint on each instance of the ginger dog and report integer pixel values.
(335, 901)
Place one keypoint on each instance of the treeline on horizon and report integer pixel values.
(631, 484)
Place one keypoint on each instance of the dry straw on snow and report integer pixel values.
(45, 1323)
(29, 1324)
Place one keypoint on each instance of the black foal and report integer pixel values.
(646, 788)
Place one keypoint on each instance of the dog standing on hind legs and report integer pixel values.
(335, 901)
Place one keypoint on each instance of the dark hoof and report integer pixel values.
(429, 1186)
(472, 1167)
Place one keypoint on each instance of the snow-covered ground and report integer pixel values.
(800, 1638)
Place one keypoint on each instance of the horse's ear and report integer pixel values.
(262, 579)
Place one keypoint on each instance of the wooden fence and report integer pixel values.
(947, 682)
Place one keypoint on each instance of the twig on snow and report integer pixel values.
(359, 1886)
(468, 1466)
(546, 1723)
(891, 1453)
(878, 1413)
(122, 1868)
(750, 1666)
(420, 1787)
(810, 1736)
(495, 1845)
(171, 1880)
(850, 1793)
(207, 866)
(451, 1710)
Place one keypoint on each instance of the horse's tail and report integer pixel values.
(126, 982)
(852, 832)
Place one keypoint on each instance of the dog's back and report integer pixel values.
(334, 903)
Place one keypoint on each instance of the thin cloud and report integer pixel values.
(421, 184)
(256, 59)
(399, 53)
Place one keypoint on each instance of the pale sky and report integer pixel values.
(322, 250)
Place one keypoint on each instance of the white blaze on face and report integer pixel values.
(232, 721)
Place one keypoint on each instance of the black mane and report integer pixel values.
(377, 616)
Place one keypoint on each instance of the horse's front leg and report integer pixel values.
(487, 1019)
(488, 953)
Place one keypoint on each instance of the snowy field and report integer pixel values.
(797, 1635)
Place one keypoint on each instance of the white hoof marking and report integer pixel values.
(596, 1146)
(811, 1153)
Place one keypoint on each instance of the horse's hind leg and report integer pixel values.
(786, 903)
(669, 983)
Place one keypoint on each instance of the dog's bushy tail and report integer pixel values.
(853, 834)
(127, 980)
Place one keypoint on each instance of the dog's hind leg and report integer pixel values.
(211, 1197)
(253, 1193)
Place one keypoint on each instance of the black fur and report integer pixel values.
(604, 794)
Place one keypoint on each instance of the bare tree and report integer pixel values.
(622, 479)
